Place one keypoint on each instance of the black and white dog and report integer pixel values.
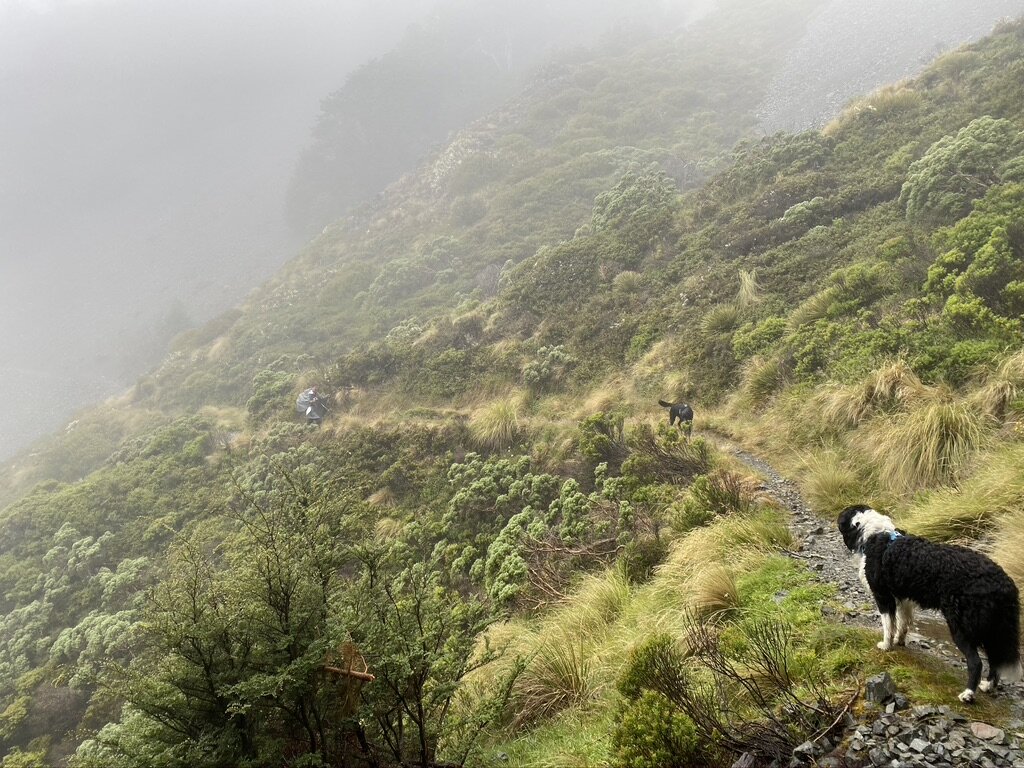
(680, 411)
(979, 601)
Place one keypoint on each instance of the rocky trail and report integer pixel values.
(898, 734)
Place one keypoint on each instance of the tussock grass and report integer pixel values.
(613, 393)
(812, 308)
(627, 282)
(892, 386)
(830, 484)
(1008, 549)
(597, 602)
(749, 292)
(1001, 388)
(496, 426)
(383, 498)
(561, 674)
(891, 100)
(728, 539)
(994, 493)
(928, 445)
(388, 529)
(657, 373)
(722, 319)
(714, 592)
(762, 378)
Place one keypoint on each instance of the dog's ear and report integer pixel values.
(849, 527)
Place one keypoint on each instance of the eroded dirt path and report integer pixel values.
(820, 547)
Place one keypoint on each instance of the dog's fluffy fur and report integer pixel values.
(979, 601)
(680, 411)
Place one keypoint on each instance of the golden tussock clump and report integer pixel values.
(892, 386)
(713, 592)
(749, 291)
(724, 318)
(1000, 388)
(562, 673)
(829, 484)
(496, 425)
(763, 377)
(383, 498)
(812, 308)
(994, 495)
(926, 446)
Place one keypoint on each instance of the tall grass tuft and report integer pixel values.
(726, 539)
(890, 387)
(382, 498)
(813, 308)
(829, 484)
(1008, 549)
(713, 592)
(762, 378)
(724, 318)
(561, 674)
(597, 602)
(994, 493)
(496, 426)
(928, 445)
(1001, 388)
(749, 292)
(627, 282)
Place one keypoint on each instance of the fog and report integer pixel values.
(147, 147)
(145, 150)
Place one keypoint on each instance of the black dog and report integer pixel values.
(980, 602)
(680, 411)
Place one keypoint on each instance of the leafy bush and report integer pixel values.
(271, 395)
(959, 169)
(653, 733)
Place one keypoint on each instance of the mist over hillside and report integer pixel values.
(854, 46)
(145, 150)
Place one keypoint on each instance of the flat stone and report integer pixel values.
(920, 745)
(746, 760)
(988, 732)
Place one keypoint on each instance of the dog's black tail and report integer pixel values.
(1003, 648)
(663, 404)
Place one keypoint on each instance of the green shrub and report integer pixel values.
(271, 394)
(653, 733)
(657, 664)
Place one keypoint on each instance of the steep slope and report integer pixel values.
(548, 277)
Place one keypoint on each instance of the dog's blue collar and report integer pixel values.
(893, 535)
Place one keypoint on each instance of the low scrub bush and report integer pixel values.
(654, 733)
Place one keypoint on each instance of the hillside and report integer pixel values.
(494, 521)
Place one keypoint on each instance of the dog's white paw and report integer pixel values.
(884, 646)
(967, 697)
(985, 686)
